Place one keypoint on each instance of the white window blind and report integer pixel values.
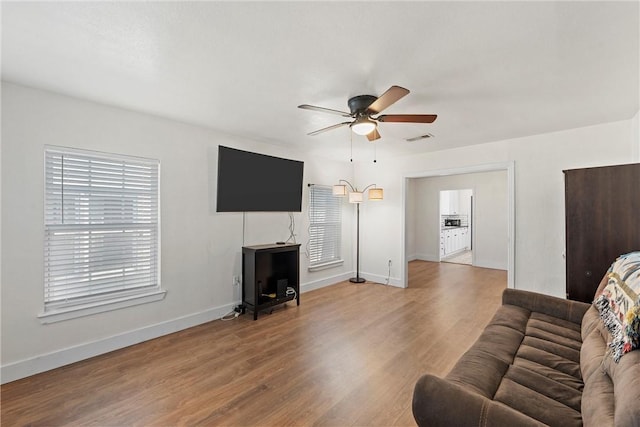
(325, 225)
(101, 227)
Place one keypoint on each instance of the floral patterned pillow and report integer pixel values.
(619, 304)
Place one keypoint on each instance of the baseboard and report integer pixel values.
(427, 257)
(24, 368)
(45, 362)
(495, 265)
(317, 284)
(376, 278)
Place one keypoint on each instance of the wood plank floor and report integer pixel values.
(349, 355)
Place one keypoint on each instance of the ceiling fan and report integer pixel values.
(364, 107)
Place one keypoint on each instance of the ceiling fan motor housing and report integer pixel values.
(359, 104)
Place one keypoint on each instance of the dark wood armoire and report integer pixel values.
(602, 215)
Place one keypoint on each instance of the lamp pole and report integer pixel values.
(357, 279)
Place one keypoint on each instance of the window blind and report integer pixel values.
(101, 227)
(325, 225)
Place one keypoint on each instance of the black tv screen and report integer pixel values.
(252, 182)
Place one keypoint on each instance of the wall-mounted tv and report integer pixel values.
(253, 182)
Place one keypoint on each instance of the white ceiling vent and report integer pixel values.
(417, 138)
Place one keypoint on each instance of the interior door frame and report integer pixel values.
(509, 167)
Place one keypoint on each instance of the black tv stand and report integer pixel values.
(268, 271)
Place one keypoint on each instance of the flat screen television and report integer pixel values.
(253, 182)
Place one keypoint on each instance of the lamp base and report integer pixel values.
(357, 280)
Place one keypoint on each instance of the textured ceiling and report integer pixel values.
(490, 70)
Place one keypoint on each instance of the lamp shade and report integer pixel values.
(363, 125)
(340, 190)
(375, 194)
(355, 197)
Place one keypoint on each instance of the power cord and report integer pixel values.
(230, 315)
(388, 274)
(292, 229)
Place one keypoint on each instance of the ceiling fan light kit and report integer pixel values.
(363, 125)
(363, 107)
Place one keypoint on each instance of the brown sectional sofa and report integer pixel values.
(541, 361)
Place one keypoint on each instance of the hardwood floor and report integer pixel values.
(349, 355)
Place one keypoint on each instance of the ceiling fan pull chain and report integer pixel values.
(351, 135)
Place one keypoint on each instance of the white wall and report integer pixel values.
(539, 206)
(635, 136)
(490, 226)
(201, 249)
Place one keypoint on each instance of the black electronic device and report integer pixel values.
(281, 287)
(253, 182)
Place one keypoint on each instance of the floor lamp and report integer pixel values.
(356, 197)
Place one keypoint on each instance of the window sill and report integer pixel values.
(326, 265)
(59, 315)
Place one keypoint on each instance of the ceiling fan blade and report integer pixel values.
(373, 135)
(407, 118)
(324, 110)
(328, 128)
(392, 94)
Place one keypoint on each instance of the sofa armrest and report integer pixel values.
(438, 402)
(572, 311)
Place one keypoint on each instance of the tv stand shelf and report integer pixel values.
(268, 271)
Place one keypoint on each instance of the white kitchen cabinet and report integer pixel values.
(454, 203)
(447, 242)
(465, 239)
(444, 202)
(449, 202)
(454, 240)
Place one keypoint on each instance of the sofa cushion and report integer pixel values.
(597, 396)
(479, 368)
(438, 402)
(547, 407)
(625, 376)
(611, 390)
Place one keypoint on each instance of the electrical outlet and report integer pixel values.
(236, 280)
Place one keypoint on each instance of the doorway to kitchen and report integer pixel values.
(456, 226)
(492, 216)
